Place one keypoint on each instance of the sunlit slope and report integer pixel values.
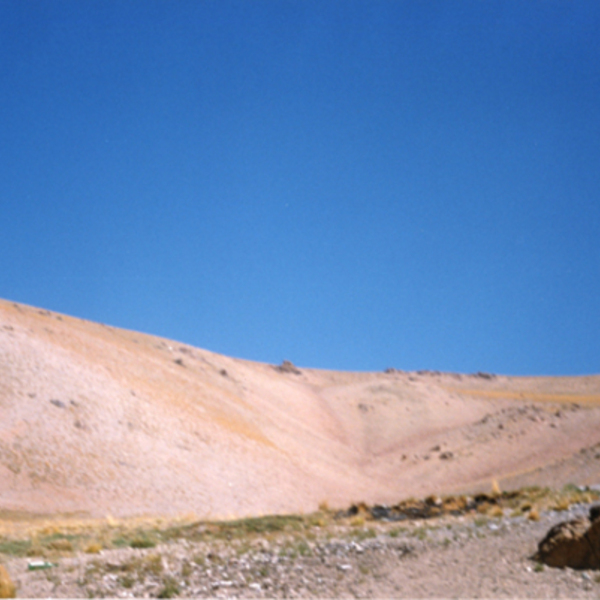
(104, 420)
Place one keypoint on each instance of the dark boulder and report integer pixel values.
(574, 544)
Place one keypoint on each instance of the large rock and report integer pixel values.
(574, 544)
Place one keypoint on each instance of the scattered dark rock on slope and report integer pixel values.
(431, 507)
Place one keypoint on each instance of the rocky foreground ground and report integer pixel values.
(471, 555)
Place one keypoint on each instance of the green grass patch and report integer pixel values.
(419, 532)
(242, 528)
(261, 525)
(170, 588)
(15, 547)
(142, 542)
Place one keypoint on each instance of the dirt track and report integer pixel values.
(101, 421)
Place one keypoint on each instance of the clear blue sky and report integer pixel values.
(345, 184)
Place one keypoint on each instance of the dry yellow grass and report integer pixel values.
(496, 512)
(53, 538)
(562, 504)
(93, 548)
(527, 396)
(496, 491)
(7, 587)
(357, 521)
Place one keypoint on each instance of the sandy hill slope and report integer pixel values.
(100, 420)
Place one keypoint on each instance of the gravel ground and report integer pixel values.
(468, 556)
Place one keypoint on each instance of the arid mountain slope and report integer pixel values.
(103, 420)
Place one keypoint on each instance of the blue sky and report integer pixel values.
(345, 184)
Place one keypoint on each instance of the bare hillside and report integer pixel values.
(100, 420)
